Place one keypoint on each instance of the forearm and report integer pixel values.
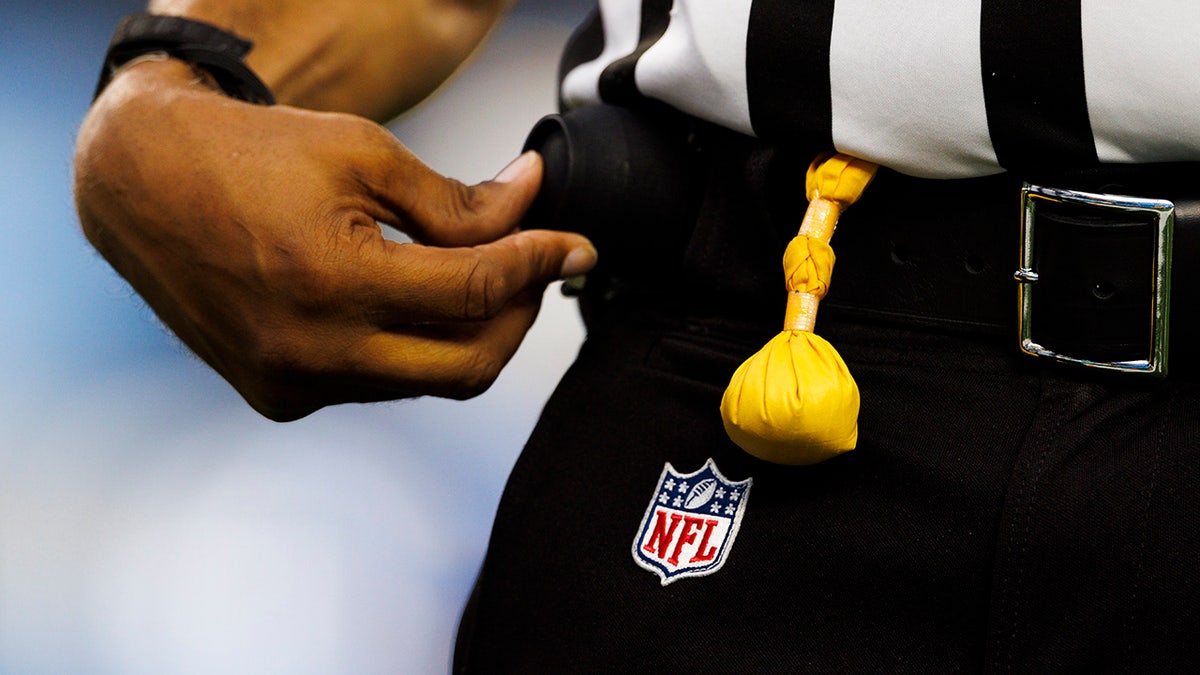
(370, 57)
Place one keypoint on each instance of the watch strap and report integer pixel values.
(218, 52)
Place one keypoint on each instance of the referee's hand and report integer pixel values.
(252, 232)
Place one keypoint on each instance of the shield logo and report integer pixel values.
(691, 522)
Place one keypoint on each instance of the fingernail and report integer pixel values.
(515, 168)
(578, 261)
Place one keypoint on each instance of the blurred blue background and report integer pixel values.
(149, 521)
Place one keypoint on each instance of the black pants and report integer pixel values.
(997, 514)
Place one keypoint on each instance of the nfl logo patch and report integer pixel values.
(691, 523)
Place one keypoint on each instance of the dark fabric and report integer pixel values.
(1031, 55)
(617, 83)
(944, 253)
(1071, 246)
(787, 51)
(995, 516)
(586, 43)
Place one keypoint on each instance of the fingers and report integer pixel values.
(412, 283)
(441, 211)
(450, 360)
(459, 361)
(381, 320)
(463, 215)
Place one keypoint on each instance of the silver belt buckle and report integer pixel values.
(1163, 212)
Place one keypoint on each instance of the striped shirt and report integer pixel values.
(931, 88)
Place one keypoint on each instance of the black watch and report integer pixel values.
(216, 51)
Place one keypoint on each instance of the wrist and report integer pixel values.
(214, 50)
(375, 58)
(140, 99)
(153, 79)
(292, 40)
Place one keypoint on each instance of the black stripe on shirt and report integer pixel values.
(617, 83)
(1033, 85)
(787, 71)
(585, 44)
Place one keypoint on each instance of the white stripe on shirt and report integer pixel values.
(907, 90)
(1142, 101)
(907, 87)
(699, 64)
(622, 20)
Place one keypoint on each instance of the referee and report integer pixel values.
(1013, 297)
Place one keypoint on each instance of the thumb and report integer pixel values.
(450, 213)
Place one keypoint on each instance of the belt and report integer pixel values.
(1090, 268)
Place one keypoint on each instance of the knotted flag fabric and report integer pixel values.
(795, 402)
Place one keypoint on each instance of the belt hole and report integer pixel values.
(900, 253)
(975, 263)
(1103, 290)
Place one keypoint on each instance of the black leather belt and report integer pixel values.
(1090, 268)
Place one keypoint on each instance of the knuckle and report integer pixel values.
(366, 133)
(280, 380)
(271, 384)
(303, 275)
(484, 291)
(479, 374)
(280, 411)
(464, 202)
(369, 152)
(276, 360)
(534, 257)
